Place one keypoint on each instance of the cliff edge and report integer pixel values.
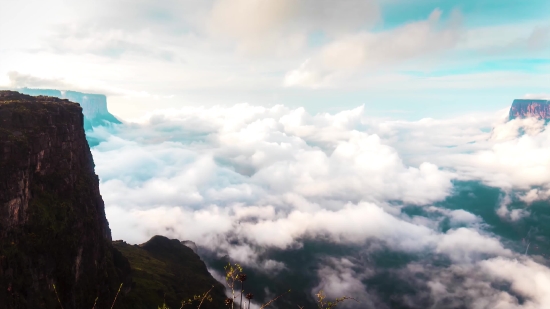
(94, 106)
(53, 229)
(524, 108)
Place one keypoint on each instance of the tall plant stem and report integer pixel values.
(242, 291)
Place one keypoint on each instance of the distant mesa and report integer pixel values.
(94, 106)
(526, 108)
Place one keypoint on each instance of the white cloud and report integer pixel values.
(19, 80)
(530, 279)
(245, 179)
(244, 170)
(535, 195)
(342, 277)
(478, 147)
(538, 96)
(283, 25)
(256, 165)
(354, 52)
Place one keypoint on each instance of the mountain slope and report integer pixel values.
(165, 269)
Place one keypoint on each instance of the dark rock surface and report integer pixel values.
(167, 270)
(53, 228)
(539, 109)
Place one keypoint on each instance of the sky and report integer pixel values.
(400, 59)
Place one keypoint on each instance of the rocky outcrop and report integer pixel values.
(53, 229)
(165, 270)
(94, 106)
(539, 109)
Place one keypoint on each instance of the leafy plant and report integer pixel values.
(202, 298)
(233, 274)
(322, 302)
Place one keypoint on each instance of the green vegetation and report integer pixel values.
(234, 275)
(167, 272)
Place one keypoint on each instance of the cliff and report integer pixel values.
(94, 106)
(53, 229)
(530, 108)
(167, 270)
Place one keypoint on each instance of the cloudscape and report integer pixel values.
(451, 198)
(360, 147)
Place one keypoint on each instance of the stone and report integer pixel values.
(525, 108)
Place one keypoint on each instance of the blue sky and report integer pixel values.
(478, 12)
(401, 59)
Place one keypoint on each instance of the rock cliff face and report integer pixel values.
(94, 106)
(53, 229)
(530, 108)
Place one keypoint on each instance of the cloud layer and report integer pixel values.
(246, 180)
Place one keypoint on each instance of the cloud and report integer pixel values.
(476, 285)
(342, 277)
(258, 165)
(526, 278)
(538, 96)
(246, 181)
(478, 147)
(272, 167)
(369, 50)
(20, 80)
(539, 38)
(260, 25)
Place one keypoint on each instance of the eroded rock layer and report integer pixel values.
(539, 109)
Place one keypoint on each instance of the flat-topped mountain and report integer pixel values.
(525, 108)
(94, 106)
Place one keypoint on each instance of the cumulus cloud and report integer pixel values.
(277, 164)
(342, 277)
(477, 285)
(259, 25)
(373, 50)
(245, 180)
(538, 96)
(521, 162)
(261, 166)
(19, 80)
